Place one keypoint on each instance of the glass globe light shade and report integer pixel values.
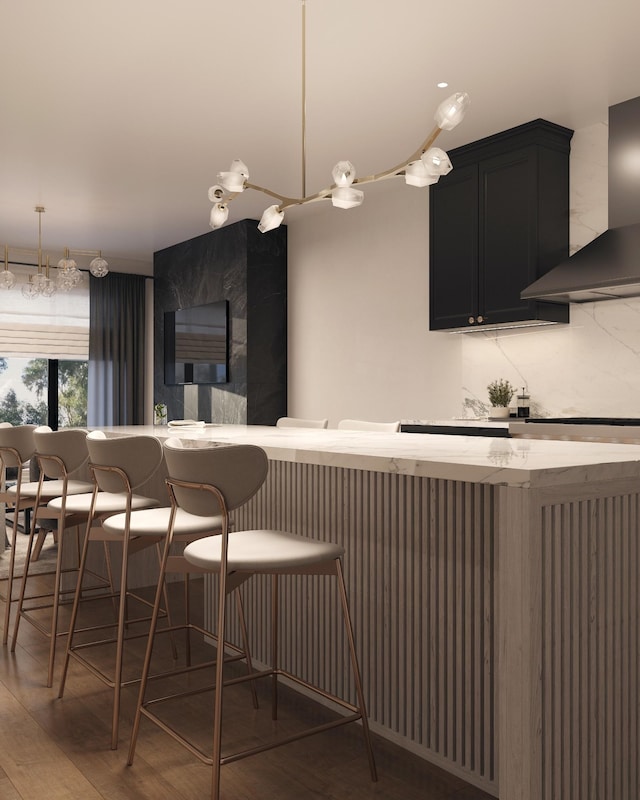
(67, 264)
(38, 280)
(416, 174)
(231, 181)
(99, 267)
(219, 215)
(216, 193)
(48, 287)
(30, 291)
(343, 173)
(63, 282)
(7, 279)
(346, 197)
(437, 161)
(451, 111)
(234, 179)
(68, 278)
(271, 218)
(240, 167)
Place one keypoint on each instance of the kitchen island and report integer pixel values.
(495, 594)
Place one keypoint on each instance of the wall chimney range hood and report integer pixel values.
(609, 266)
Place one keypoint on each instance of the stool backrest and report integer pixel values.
(296, 422)
(60, 452)
(365, 425)
(137, 456)
(237, 471)
(16, 444)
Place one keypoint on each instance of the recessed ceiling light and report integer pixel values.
(442, 85)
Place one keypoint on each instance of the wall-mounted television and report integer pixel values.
(196, 344)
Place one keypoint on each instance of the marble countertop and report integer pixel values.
(530, 463)
(585, 433)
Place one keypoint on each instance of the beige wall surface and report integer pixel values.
(359, 340)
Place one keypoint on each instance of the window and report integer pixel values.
(44, 349)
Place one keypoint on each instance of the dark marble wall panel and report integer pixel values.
(249, 269)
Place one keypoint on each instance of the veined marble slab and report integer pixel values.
(525, 463)
(629, 434)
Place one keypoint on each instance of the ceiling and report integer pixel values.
(116, 116)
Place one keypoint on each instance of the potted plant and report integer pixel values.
(160, 414)
(500, 394)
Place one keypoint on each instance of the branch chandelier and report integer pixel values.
(422, 168)
(41, 283)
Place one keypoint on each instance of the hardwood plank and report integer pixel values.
(7, 789)
(33, 761)
(69, 740)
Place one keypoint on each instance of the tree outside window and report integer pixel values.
(72, 394)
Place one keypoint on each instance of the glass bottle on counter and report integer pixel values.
(523, 403)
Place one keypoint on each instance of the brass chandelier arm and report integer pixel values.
(284, 200)
(397, 170)
(325, 194)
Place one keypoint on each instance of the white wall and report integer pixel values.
(359, 344)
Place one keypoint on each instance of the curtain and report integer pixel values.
(116, 350)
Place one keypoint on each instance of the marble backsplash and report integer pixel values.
(590, 367)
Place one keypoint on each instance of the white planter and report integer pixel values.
(500, 412)
(160, 414)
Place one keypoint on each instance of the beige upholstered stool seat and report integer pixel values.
(53, 488)
(106, 503)
(261, 550)
(155, 522)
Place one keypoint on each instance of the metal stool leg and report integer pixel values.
(356, 670)
(12, 563)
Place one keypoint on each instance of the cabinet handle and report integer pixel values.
(471, 320)
(480, 319)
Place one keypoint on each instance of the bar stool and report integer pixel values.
(297, 422)
(16, 449)
(174, 526)
(365, 425)
(120, 466)
(58, 454)
(216, 480)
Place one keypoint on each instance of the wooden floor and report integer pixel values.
(59, 749)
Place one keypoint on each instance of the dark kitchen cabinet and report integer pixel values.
(498, 221)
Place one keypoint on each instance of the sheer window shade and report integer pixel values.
(45, 327)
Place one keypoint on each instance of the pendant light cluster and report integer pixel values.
(422, 168)
(40, 283)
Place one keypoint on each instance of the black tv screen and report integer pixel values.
(196, 344)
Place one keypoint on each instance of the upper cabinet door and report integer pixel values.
(453, 293)
(497, 222)
(507, 231)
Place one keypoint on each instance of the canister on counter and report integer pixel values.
(523, 403)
